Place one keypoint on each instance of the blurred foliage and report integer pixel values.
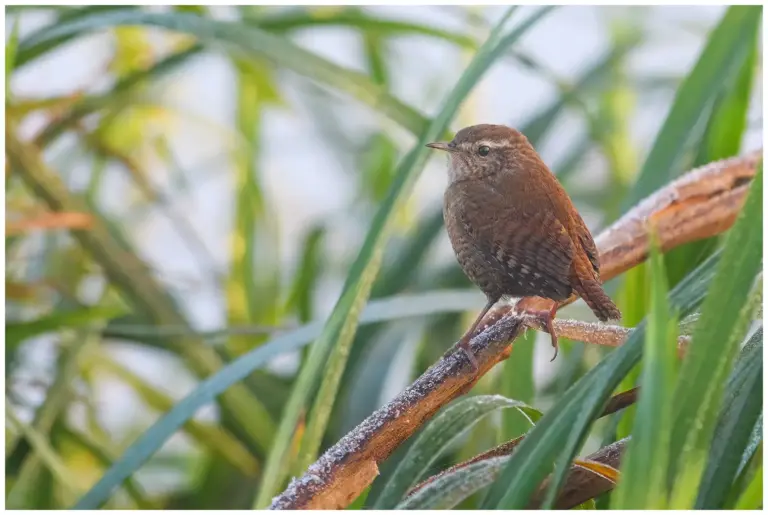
(95, 319)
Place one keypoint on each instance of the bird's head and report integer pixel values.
(482, 150)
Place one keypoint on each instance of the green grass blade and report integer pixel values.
(28, 55)
(561, 431)
(729, 119)
(55, 405)
(48, 456)
(517, 383)
(244, 39)
(752, 497)
(253, 284)
(17, 332)
(343, 320)
(104, 454)
(210, 436)
(448, 490)
(11, 47)
(724, 320)
(306, 18)
(725, 51)
(306, 275)
(406, 305)
(644, 466)
(742, 405)
(444, 429)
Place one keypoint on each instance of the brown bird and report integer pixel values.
(514, 229)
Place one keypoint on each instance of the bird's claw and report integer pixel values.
(467, 350)
(545, 318)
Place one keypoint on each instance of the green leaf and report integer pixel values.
(742, 404)
(253, 284)
(450, 488)
(439, 434)
(244, 39)
(752, 497)
(47, 454)
(307, 275)
(726, 49)
(347, 17)
(343, 321)
(27, 55)
(104, 455)
(358, 503)
(213, 437)
(17, 332)
(729, 119)
(725, 316)
(644, 466)
(516, 380)
(10, 56)
(561, 431)
(58, 398)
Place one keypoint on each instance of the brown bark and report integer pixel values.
(700, 204)
(581, 484)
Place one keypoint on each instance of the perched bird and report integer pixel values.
(513, 227)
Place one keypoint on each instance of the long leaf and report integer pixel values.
(725, 51)
(54, 406)
(644, 467)
(742, 405)
(449, 489)
(444, 429)
(724, 319)
(729, 119)
(10, 57)
(752, 497)
(104, 454)
(248, 40)
(47, 455)
(213, 437)
(560, 432)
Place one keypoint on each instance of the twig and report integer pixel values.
(700, 204)
(596, 333)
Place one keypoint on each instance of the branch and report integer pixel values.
(700, 204)
(581, 484)
(595, 333)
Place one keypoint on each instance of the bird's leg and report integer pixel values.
(464, 342)
(546, 318)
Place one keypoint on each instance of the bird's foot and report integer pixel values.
(545, 318)
(467, 350)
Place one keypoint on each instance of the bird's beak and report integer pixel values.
(440, 146)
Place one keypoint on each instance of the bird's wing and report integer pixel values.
(527, 241)
(588, 244)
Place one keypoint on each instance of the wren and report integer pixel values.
(514, 229)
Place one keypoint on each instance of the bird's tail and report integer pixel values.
(598, 301)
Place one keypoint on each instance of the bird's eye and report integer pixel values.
(483, 151)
